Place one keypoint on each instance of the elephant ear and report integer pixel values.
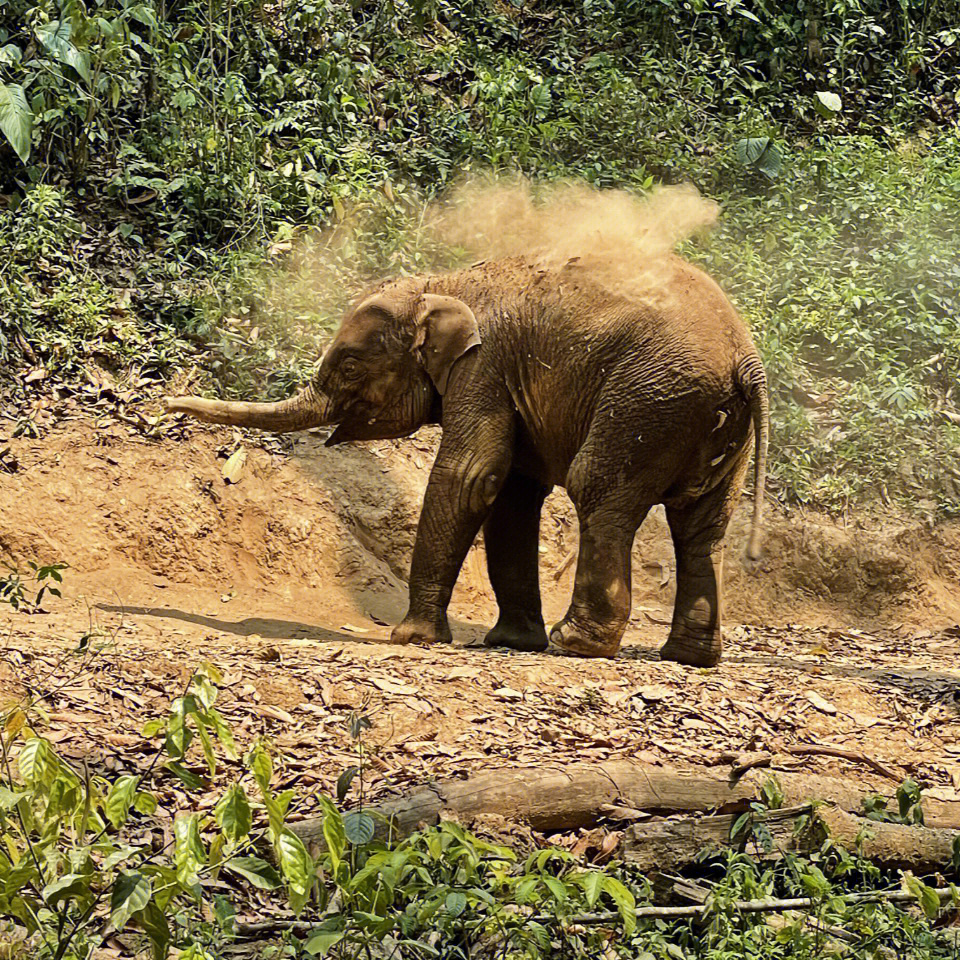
(446, 330)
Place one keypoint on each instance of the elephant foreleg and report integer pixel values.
(470, 469)
(698, 530)
(511, 536)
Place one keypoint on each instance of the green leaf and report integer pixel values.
(203, 690)
(120, 800)
(261, 766)
(296, 864)
(188, 851)
(557, 890)
(908, 800)
(153, 922)
(179, 734)
(116, 855)
(455, 903)
(624, 900)
(71, 886)
(144, 14)
(930, 902)
(210, 672)
(32, 759)
(131, 893)
(814, 882)
(770, 162)
(224, 734)
(256, 871)
(320, 943)
(739, 824)
(189, 779)
(335, 836)
(592, 884)
(751, 149)
(233, 815)
(827, 104)
(762, 153)
(146, 803)
(527, 889)
(926, 896)
(152, 727)
(207, 745)
(225, 914)
(55, 36)
(10, 54)
(359, 828)
(344, 781)
(9, 799)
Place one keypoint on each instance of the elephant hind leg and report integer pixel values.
(511, 537)
(609, 509)
(698, 530)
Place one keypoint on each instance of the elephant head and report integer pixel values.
(382, 376)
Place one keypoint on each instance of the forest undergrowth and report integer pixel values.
(197, 189)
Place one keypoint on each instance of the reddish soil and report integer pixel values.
(287, 580)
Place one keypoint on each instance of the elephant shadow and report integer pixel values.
(265, 627)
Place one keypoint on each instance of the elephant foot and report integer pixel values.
(420, 631)
(693, 651)
(519, 633)
(577, 640)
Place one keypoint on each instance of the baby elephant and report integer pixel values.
(627, 394)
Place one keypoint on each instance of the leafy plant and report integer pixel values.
(761, 154)
(175, 164)
(909, 806)
(27, 593)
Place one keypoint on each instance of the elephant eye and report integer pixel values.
(349, 367)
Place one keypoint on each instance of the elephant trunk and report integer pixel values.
(306, 409)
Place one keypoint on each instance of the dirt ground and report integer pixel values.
(287, 580)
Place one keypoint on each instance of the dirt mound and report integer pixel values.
(329, 533)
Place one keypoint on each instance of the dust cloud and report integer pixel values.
(557, 221)
(623, 236)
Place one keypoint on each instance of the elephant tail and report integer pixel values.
(753, 383)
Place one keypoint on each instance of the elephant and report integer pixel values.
(543, 373)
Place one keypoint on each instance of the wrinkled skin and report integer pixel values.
(544, 375)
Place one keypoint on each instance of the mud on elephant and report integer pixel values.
(546, 374)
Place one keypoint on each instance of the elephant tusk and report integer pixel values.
(721, 420)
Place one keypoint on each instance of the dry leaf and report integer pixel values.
(233, 468)
(463, 673)
(824, 706)
(389, 685)
(276, 713)
(654, 692)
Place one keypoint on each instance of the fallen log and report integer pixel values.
(656, 846)
(892, 845)
(665, 845)
(566, 798)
